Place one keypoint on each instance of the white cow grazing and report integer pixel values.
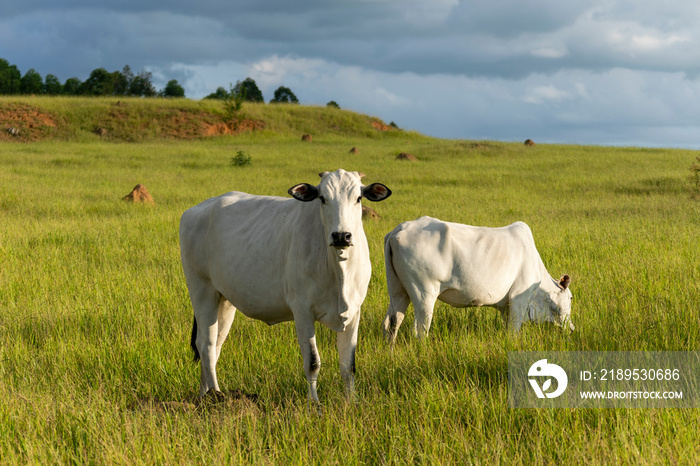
(277, 259)
(465, 266)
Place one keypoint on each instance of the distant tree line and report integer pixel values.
(125, 83)
(100, 83)
(248, 91)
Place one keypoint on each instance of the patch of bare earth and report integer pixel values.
(122, 124)
(230, 128)
(20, 122)
(379, 126)
(406, 156)
(229, 400)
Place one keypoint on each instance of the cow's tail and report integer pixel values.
(398, 296)
(394, 285)
(193, 340)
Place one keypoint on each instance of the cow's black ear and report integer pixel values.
(303, 192)
(376, 192)
(564, 281)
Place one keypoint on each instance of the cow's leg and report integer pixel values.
(206, 302)
(517, 313)
(398, 303)
(347, 343)
(423, 299)
(225, 318)
(424, 316)
(306, 335)
(398, 296)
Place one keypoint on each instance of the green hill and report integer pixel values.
(133, 119)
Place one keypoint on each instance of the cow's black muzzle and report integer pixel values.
(341, 240)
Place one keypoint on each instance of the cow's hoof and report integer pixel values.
(315, 408)
(214, 396)
(353, 399)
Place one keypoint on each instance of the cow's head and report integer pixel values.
(562, 298)
(339, 195)
(552, 303)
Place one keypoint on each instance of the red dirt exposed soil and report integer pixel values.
(237, 127)
(23, 123)
(123, 124)
(378, 125)
(122, 121)
(406, 156)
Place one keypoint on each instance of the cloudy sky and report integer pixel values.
(571, 71)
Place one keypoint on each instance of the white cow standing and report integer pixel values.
(466, 266)
(277, 259)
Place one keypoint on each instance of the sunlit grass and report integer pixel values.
(95, 316)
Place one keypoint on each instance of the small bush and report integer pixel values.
(241, 159)
(233, 103)
(695, 179)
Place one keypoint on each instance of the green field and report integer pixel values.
(95, 320)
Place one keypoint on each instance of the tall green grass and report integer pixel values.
(95, 365)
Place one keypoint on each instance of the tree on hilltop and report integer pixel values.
(172, 89)
(103, 83)
(72, 86)
(32, 82)
(52, 85)
(100, 82)
(10, 78)
(248, 90)
(284, 95)
(122, 80)
(141, 86)
(220, 94)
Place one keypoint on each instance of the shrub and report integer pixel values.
(233, 102)
(241, 159)
(695, 179)
(333, 104)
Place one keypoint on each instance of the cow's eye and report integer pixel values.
(359, 199)
(323, 199)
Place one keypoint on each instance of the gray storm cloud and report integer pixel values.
(559, 71)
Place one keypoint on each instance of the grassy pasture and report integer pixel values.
(95, 365)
